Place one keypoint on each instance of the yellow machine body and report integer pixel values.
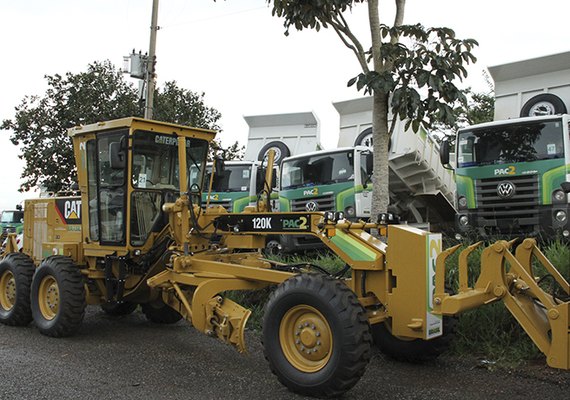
(138, 234)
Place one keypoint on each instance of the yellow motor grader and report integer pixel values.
(137, 235)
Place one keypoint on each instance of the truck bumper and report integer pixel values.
(549, 222)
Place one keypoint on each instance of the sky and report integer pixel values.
(236, 53)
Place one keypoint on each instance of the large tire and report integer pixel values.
(365, 138)
(16, 271)
(160, 313)
(415, 350)
(58, 297)
(118, 309)
(543, 104)
(281, 151)
(316, 335)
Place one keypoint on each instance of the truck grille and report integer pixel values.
(226, 204)
(323, 203)
(516, 212)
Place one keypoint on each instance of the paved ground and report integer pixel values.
(130, 358)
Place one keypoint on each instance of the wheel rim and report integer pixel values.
(367, 140)
(306, 338)
(48, 297)
(542, 108)
(7, 290)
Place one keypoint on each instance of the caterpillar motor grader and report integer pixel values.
(137, 235)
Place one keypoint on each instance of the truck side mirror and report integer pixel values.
(369, 163)
(444, 153)
(117, 157)
(220, 166)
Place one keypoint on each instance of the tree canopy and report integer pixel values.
(39, 126)
(410, 70)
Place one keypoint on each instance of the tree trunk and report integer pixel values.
(381, 136)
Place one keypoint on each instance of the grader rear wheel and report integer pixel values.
(58, 297)
(413, 350)
(16, 271)
(118, 309)
(160, 313)
(316, 335)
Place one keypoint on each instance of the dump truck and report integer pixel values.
(238, 186)
(513, 177)
(511, 173)
(11, 221)
(137, 235)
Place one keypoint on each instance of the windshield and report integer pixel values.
(530, 141)
(318, 170)
(9, 217)
(155, 161)
(235, 178)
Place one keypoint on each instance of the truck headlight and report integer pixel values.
(462, 202)
(558, 196)
(463, 220)
(560, 216)
(350, 211)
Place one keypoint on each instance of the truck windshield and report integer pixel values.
(511, 143)
(319, 169)
(9, 217)
(235, 178)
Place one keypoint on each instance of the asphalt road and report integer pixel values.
(130, 358)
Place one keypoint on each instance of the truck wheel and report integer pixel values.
(16, 271)
(281, 151)
(316, 335)
(365, 138)
(413, 350)
(58, 297)
(273, 248)
(116, 309)
(543, 104)
(160, 313)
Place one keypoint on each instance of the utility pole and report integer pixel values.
(151, 63)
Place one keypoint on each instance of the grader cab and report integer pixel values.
(137, 235)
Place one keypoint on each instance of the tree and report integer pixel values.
(101, 93)
(409, 69)
(480, 107)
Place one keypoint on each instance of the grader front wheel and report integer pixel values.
(316, 335)
(58, 297)
(16, 271)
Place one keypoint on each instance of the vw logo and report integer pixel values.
(505, 190)
(311, 206)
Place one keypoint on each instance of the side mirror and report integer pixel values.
(220, 166)
(117, 157)
(369, 163)
(444, 153)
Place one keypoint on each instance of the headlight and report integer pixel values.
(463, 220)
(462, 202)
(560, 216)
(350, 211)
(558, 196)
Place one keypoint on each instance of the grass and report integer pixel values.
(489, 332)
